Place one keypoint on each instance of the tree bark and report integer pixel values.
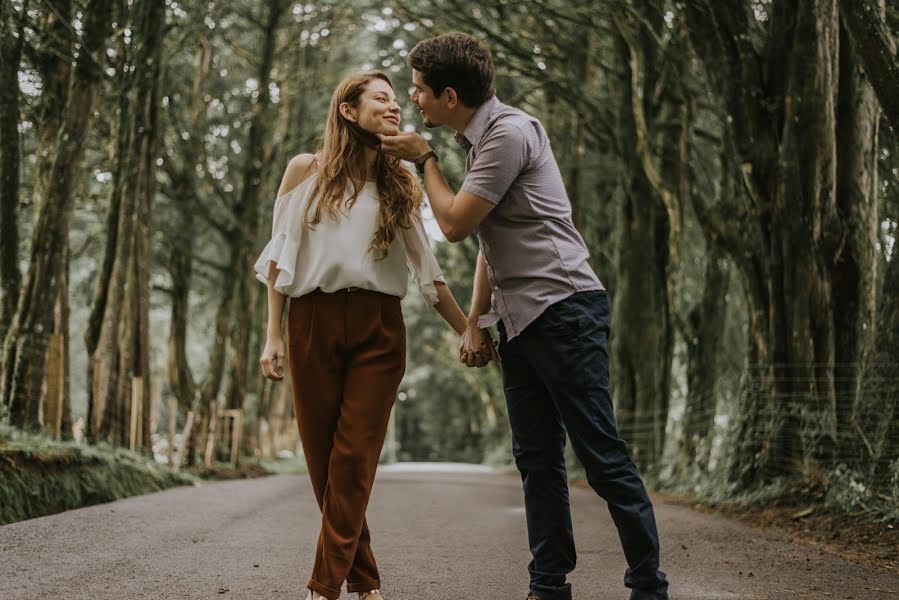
(101, 334)
(55, 66)
(864, 21)
(781, 132)
(705, 343)
(853, 236)
(877, 416)
(12, 38)
(180, 240)
(118, 333)
(247, 212)
(648, 236)
(26, 341)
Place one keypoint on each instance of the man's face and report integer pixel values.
(433, 109)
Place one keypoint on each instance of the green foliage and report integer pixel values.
(39, 476)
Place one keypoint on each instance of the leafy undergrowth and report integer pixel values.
(40, 476)
(224, 471)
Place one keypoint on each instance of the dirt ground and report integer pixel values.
(852, 537)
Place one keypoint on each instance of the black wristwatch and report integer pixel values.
(421, 160)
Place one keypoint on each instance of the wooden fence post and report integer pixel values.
(56, 373)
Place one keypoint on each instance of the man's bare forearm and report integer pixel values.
(480, 296)
(440, 195)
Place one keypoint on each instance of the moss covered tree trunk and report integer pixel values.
(118, 333)
(782, 121)
(704, 339)
(24, 351)
(12, 38)
(258, 157)
(853, 237)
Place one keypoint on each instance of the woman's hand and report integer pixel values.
(272, 360)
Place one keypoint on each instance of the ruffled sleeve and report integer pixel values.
(420, 258)
(283, 248)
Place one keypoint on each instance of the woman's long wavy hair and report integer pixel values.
(341, 163)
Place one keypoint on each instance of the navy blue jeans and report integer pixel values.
(556, 379)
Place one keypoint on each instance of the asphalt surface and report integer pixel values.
(438, 534)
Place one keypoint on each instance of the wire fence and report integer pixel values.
(837, 425)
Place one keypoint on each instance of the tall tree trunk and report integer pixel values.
(55, 66)
(877, 415)
(26, 341)
(101, 334)
(705, 344)
(118, 331)
(12, 38)
(785, 157)
(61, 325)
(853, 236)
(203, 406)
(180, 265)
(258, 155)
(643, 349)
(148, 130)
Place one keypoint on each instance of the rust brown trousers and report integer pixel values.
(346, 355)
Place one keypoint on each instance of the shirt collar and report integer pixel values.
(477, 126)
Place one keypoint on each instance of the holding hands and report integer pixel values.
(477, 348)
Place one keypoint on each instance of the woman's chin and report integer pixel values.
(388, 129)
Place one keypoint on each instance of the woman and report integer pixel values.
(347, 226)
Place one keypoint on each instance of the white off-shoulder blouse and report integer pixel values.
(334, 255)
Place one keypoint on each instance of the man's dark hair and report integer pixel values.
(459, 61)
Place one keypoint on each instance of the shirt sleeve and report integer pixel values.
(283, 247)
(502, 156)
(420, 258)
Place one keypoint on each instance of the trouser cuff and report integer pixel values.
(364, 586)
(327, 592)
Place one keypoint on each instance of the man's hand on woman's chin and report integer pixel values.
(407, 145)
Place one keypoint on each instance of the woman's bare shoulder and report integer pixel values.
(300, 168)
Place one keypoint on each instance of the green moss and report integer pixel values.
(40, 476)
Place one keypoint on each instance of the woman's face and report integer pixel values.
(377, 111)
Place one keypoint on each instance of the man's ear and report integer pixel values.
(346, 111)
(452, 98)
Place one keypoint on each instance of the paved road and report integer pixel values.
(439, 534)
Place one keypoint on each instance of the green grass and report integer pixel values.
(40, 476)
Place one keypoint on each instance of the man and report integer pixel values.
(552, 311)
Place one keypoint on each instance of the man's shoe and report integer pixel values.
(372, 595)
(532, 596)
(644, 595)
